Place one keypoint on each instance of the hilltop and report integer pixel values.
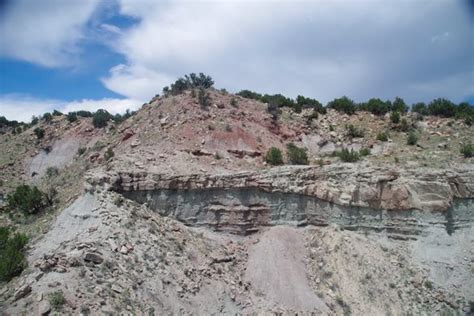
(177, 208)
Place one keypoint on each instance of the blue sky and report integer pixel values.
(117, 54)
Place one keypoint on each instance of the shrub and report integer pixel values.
(412, 139)
(34, 120)
(26, 199)
(233, 102)
(399, 105)
(296, 155)
(100, 118)
(47, 117)
(442, 107)
(203, 98)
(109, 153)
(364, 152)
(12, 258)
(273, 110)
(313, 116)
(57, 113)
(250, 95)
(354, 132)
(404, 126)
(343, 104)
(395, 117)
(71, 117)
(420, 108)
(305, 103)
(377, 106)
(274, 156)
(51, 172)
(81, 151)
(347, 155)
(190, 81)
(57, 300)
(84, 113)
(382, 136)
(467, 150)
(39, 132)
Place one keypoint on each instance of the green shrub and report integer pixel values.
(12, 258)
(71, 117)
(420, 108)
(399, 105)
(81, 151)
(100, 118)
(354, 132)
(364, 152)
(347, 155)
(47, 117)
(26, 199)
(233, 102)
(39, 132)
(203, 98)
(296, 155)
(382, 136)
(395, 117)
(51, 172)
(313, 116)
(190, 81)
(404, 125)
(274, 156)
(57, 300)
(412, 138)
(467, 150)
(343, 104)
(377, 106)
(57, 113)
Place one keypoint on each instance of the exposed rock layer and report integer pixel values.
(346, 185)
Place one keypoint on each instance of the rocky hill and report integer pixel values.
(178, 210)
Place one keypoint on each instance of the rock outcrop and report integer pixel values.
(346, 185)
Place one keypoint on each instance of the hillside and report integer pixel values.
(176, 210)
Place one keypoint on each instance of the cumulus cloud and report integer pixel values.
(416, 49)
(44, 32)
(22, 107)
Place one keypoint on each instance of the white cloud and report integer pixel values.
(44, 32)
(323, 49)
(22, 107)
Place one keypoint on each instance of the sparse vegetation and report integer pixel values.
(412, 139)
(467, 150)
(296, 155)
(190, 81)
(109, 154)
(12, 258)
(47, 117)
(81, 151)
(26, 199)
(347, 155)
(39, 132)
(57, 300)
(354, 132)
(71, 117)
(233, 102)
(343, 104)
(204, 98)
(382, 136)
(364, 152)
(274, 156)
(100, 118)
(57, 113)
(395, 117)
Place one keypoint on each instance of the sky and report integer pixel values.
(118, 54)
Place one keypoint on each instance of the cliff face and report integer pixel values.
(344, 185)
